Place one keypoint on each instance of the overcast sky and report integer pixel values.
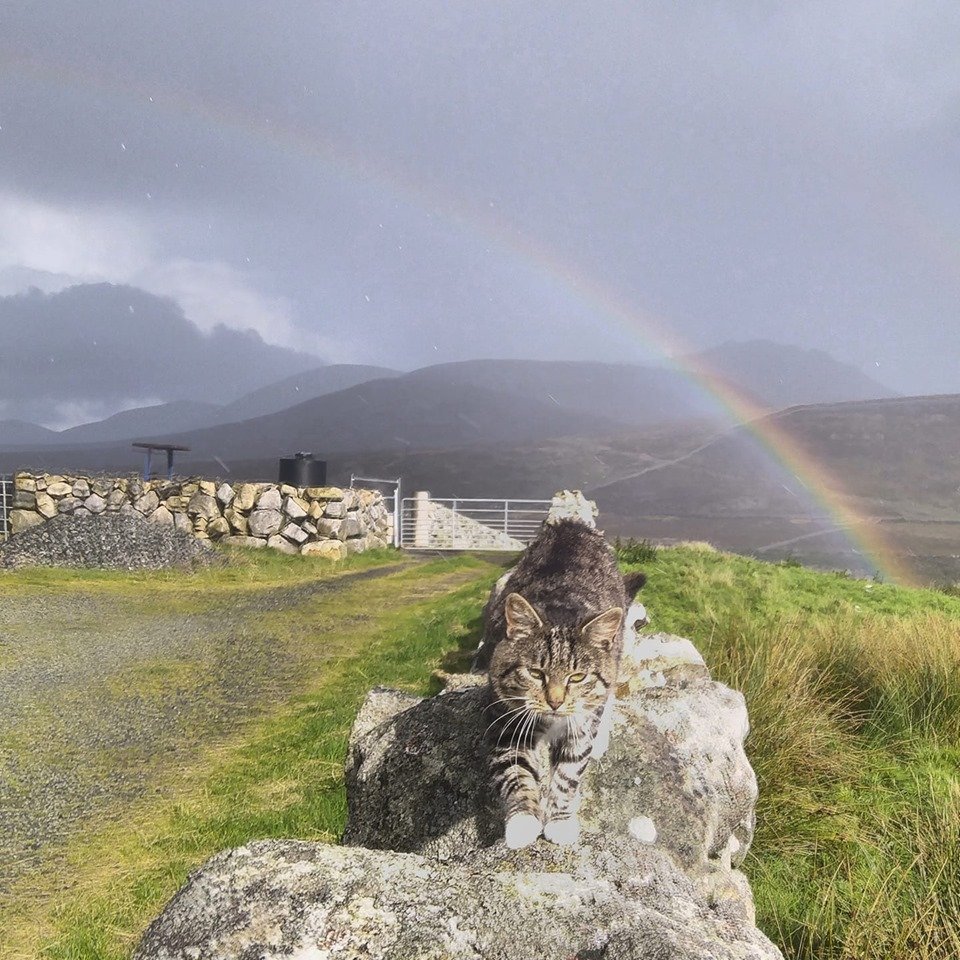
(402, 183)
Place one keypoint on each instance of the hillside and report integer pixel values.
(896, 458)
(20, 433)
(141, 422)
(394, 414)
(777, 375)
(299, 388)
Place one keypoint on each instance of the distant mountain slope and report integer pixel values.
(629, 394)
(774, 375)
(143, 422)
(395, 414)
(898, 457)
(777, 375)
(20, 433)
(299, 388)
(180, 416)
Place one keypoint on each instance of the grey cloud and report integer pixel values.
(740, 170)
(95, 348)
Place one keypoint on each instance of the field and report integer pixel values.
(853, 689)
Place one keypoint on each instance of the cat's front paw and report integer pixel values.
(564, 831)
(522, 830)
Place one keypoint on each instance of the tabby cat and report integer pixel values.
(552, 644)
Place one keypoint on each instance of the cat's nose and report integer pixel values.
(555, 697)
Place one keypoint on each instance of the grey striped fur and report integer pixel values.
(552, 648)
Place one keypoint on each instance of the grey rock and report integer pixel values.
(295, 508)
(254, 543)
(328, 528)
(95, 503)
(147, 503)
(116, 499)
(356, 545)
(335, 510)
(24, 500)
(46, 506)
(667, 817)
(276, 899)
(328, 549)
(270, 499)
(277, 542)
(246, 496)
(351, 527)
(218, 527)
(109, 541)
(675, 768)
(572, 505)
(225, 494)
(294, 533)
(265, 523)
(81, 489)
(182, 523)
(162, 515)
(21, 520)
(203, 505)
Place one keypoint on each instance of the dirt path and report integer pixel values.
(101, 697)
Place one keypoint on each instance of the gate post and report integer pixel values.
(421, 519)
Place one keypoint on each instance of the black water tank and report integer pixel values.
(301, 470)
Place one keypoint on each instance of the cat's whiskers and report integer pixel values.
(517, 717)
(503, 700)
(526, 729)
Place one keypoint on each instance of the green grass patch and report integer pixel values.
(282, 776)
(853, 689)
(244, 569)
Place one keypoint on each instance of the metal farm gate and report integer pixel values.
(457, 523)
(6, 504)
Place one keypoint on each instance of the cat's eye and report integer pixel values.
(577, 677)
(536, 674)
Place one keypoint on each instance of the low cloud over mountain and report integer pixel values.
(97, 348)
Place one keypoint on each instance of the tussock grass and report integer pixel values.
(853, 690)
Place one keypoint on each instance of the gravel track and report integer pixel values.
(98, 697)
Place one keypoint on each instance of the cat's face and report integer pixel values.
(555, 671)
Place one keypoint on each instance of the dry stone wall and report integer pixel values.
(323, 521)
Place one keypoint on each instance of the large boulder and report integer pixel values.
(667, 817)
(293, 900)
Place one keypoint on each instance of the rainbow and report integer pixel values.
(483, 224)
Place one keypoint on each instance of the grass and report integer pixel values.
(853, 689)
(246, 570)
(282, 775)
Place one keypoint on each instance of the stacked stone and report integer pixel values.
(320, 521)
(449, 530)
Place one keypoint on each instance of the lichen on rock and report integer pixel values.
(667, 817)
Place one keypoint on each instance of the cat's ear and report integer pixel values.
(522, 619)
(602, 631)
(633, 582)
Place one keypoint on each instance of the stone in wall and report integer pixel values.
(284, 517)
